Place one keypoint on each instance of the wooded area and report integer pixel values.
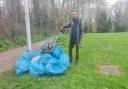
(49, 15)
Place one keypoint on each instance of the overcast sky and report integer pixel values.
(111, 2)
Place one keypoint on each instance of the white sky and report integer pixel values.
(111, 2)
(1, 2)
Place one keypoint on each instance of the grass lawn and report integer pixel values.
(97, 49)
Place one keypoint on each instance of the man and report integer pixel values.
(75, 35)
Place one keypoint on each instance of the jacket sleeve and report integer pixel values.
(81, 29)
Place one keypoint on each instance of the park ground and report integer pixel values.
(96, 49)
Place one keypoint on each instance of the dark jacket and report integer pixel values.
(76, 28)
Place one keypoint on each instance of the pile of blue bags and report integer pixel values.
(35, 63)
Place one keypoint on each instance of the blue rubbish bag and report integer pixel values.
(35, 63)
(45, 58)
(54, 67)
(36, 67)
(38, 63)
(57, 52)
(23, 63)
(64, 59)
(32, 54)
(22, 66)
(26, 55)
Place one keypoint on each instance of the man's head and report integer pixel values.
(74, 15)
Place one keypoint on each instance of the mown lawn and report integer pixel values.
(97, 49)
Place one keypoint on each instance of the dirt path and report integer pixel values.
(8, 58)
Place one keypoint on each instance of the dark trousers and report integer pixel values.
(74, 42)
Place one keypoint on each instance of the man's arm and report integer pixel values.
(67, 26)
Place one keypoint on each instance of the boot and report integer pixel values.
(70, 54)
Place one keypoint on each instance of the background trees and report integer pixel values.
(49, 15)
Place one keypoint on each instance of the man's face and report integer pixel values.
(74, 15)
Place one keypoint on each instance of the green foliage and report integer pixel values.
(37, 37)
(97, 49)
(40, 37)
(47, 34)
(5, 44)
(20, 40)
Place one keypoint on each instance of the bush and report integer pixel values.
(5, 44)
(20, 40)
(38, 37)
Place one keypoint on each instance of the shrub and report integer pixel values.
(20, 40)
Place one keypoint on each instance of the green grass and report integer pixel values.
(97, 49)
